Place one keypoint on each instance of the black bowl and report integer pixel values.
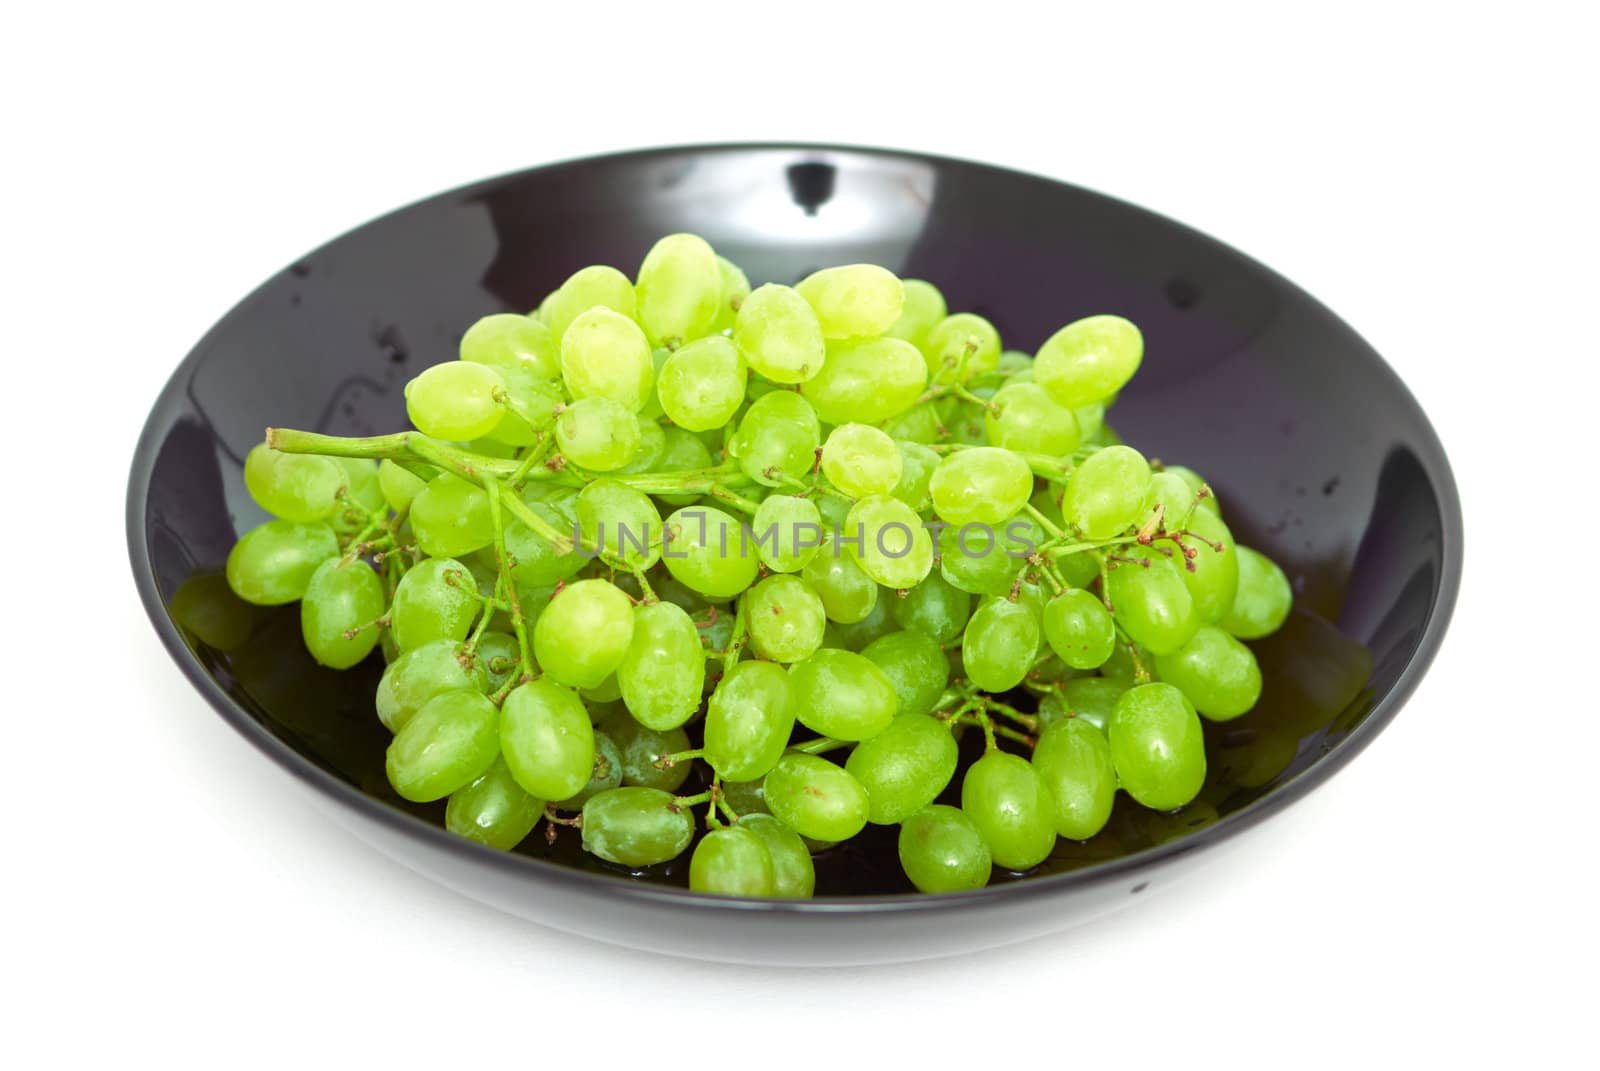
(1319, 454)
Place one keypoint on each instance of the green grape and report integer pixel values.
(960, 347)
(583, 635)
(1157, 746)
(1089, 360)
(605, 355)
(848, 594)
(984, 485)
(777, 438)
(834, 509)
(273, 563)
(1217, 672)
(788, 532)
(1080, 631)
(1009, 803)
(735, 288)
(683, 451)
(302, 488)
(732, 862)
(506, 341)
(815, 798)
(919, 424)
(921, 309)
(709, 551)
(422, 673)
(861, 460)
(652, 410)
(447, 744)
(917, 464)
(587, 288)
(206, 608)
(784, 618)
(1073, 758)
(455, 400)
(915, 665)
(621, 522)
(547, 739)
(748, 798)
(1079, 569)
(1192, 479)
(888, 541)
(748, 721)
(1089, 699)
(604, 775)
(793, 876)
(664, 668)
(942, 850)
(974, 561)
(598, 433)
(1168, 491)
(680, 289)
(361, 483)
(854, 300)
(1015, 366)
(341, 597)
(641, 747)
(779, 335)
(536, 563)
(1153, 605)
(702, 385)
(1034, 595)
(935, 608)
(498, 649)
(1026, 418)
(843, 695)
(904, 767)
(435, 600)
(399, 485)
(607, 691)
(858, 634)
(652, 444)
(999, 644)
(868, 380)
(493, 810)
(1212, 574)
(1092, 424)
(450, 517)
(1109, 492)
(1260, 605)
(636, 826)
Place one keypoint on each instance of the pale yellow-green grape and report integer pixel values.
(437, 599)
(446, 745)
(703, 384)
(1213, 572)
(587, 288)
(843, 695)
(342, 597)
(664, 668)
(582, 636)
(787, 532)
(1073, 758)
(860, 460)
(399, 485)
(735, 288)
(1157, 746)
(904, 767)
(731, 861)
(273, 563)
(777, 438)
(1152, 603)
(1089, 360)
(604, 354)
(547, 739)
(708, 550)
(983, 485)
(1262, 600)
(493, 810)
(815, 798)
(917, 464)
(848, 594)
(748, 721)
(1109, 491)
(888, 541)
(455, 400)
(679, 289)
(1217, 672)
(999, 644)
(293, 487)
(1011, 806)
(960, 347)
(598, 433)
(1027, 419)
(507, 340)
(422, 673)
(635, 826)
(779, 335)
(942, 850)
(923, 306)
(451, 518)
(622, 523)
(784, 618)
(854, 300)
(915, 664)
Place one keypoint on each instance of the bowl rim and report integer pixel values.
(619, 887)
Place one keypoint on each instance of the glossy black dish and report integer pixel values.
(1319, 454)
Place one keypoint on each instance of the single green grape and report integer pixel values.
(664, 668)
(273, 563)
(702, 385)
(843, 695)
(861, 460)
(983, 485)
(679, 289)
(999, 644)
(779, 335)
(1025, 417)
(1073, 758)
(635, 826)
(960, 347)
(1152, 603)
(793, 876)
(1007, 800)
(784, 618)
(598, 433)
(867, 380)
(436, 600)
(450, 517)
(848, 594)
(341, 597)
(1109, 492)
(422, 673)
(301, 488)
(888, 541)
(604, 354)
(710, 551)
(854, 300)
(915, 665)
(732, 861)
(455, 400)
(904, 767)
(922, 307)
(493, 810)
(748, 721)
(1089, 360)
(400, 485)
(1079, 630)
(747, 798)
(1262, 600)
(1157, 746)
(936, 608)
(787, 532)
(815, 798)
(446, 745)
(1217, 672)
(508, 341)
(621, 522)
(858, 634)
(917, 465)
(605, 774)
(547, 739)
(583, 635)
(641, 747)
(1212, 572)
(942, 850)
(595, 286)
(1089, 699)
(777, 438)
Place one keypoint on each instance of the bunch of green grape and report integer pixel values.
(790, 541)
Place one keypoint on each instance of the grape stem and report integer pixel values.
(519, 624)
(667, 762)
(820, 745)
(736, 640)
(1141, 675)
(1029, 722)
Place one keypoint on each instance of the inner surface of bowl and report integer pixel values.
(1317, 453)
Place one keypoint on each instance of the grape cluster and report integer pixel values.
(642, 532)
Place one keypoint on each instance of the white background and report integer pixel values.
(1424, 172)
